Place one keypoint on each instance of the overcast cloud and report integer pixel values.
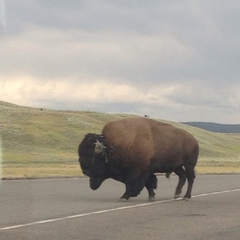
(175, 60)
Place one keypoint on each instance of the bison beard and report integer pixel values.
(95, 183)
(132, 150)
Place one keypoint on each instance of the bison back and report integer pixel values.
(145, 142)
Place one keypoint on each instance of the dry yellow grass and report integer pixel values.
(216, 170)
(41, 171)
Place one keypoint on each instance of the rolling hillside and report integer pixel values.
(43, 142)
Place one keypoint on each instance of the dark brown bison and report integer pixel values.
(132, 150)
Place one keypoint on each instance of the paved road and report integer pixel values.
(67, 209)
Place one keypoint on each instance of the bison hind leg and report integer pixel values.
(190, 178)
(182, 179)
(151, 184)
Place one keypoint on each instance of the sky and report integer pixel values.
(173, 60)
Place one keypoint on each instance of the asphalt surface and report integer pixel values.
(68, 209)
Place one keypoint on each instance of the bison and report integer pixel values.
(131, 150)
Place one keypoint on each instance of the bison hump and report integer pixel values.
(133, 137)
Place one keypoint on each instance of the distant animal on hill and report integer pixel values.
(131, 150)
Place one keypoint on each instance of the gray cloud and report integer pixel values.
(177, 59)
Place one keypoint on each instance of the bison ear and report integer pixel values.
(99, 147)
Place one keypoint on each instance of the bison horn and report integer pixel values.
(99, 147)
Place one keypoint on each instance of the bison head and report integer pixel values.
(93, 159)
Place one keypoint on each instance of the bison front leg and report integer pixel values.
(134, 186)
(150, 185)
(127, 194)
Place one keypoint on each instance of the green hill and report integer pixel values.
(42, 142)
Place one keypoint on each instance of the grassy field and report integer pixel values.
(43, 142)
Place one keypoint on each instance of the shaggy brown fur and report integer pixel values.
(149, 143)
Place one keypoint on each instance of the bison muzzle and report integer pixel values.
(132, 150)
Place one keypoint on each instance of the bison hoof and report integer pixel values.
(123, 200)
(186, 198)
(151, 199)
(176, 196)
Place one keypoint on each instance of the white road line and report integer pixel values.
(112, 210)
(215, 193)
